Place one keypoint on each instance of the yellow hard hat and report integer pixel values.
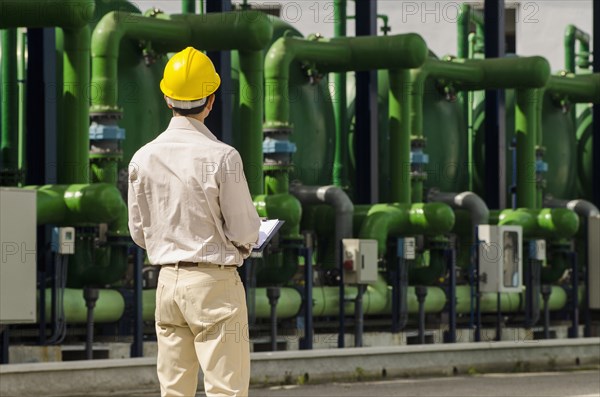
(189, 76)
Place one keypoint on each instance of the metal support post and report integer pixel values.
(342, 299)
(421, 292)
(4, 352)
(574, 329)
(273, 293)
(499, 317)
(306, 343)
(137, 347)
(359, 316)
(450, 335)
(220, 120)
(91, 296)
(366, 136)
(546, 291)
(495, 133)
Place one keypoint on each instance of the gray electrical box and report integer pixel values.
(594, 260)
(360, 261)
(18, 255)
(500, 258)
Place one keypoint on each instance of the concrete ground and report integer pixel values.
(545, 384)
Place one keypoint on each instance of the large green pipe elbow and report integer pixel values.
(247, 31)
(384, 220)
(46, 13)
(545, 223)
(577, 89)
(281, 206)
(73, 205)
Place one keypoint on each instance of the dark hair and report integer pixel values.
(189, 112)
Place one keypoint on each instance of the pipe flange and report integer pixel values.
(277, 132)
(418, 143)
(108, 116)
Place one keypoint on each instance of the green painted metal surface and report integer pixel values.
(109, 306)
(554, 223)
(584, 154)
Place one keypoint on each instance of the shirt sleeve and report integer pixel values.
(135, 216)
(241, 221)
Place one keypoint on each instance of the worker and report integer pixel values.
(190, 208)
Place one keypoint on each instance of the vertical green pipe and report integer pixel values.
(572, 35)
(462, 24)
(188, 6)
(340, 161)
(277, 182)
(22, 79)
(526, 126)
(9, 109)
(73, 140)
(400, 128)
(251, 116)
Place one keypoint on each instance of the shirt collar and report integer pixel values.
(188, 123)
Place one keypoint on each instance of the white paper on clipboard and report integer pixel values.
(268, 228)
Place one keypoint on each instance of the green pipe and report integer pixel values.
(558, 261)
(400, 92)
(466, 16)
(577, 89)
(9, 110)
(543, 223)
(251, 112)
(384, 220)
(281, 206)
(188, 6)
(573, 34)
(22, 79)
(527, 123)
(339, 54)
(82, 205)
(72, 17)
(340, 161)
(277, 182)
(73, 141)
(110, 306)
(482, 74)
(249, 32)
(46, 13)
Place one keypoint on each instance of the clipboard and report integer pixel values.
(268, 229)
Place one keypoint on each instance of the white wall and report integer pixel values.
(540, 24)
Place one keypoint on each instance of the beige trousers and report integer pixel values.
(202, 322)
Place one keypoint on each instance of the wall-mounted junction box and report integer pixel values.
(500, 258)
(63, 240)
(359, 261)
(594, 261)
(18, 256)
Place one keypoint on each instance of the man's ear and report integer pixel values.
(169, 106)
(211, 102)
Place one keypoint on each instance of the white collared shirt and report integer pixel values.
(188, 198)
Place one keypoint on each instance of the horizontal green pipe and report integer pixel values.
(384, 220)
(75, 205)
(545, 223)
(46, 13)
(577, 89)
(526, 72)
(284, 207)
(377, 300)
(109, 306)
(247, 31)
(340, 54)
(510, 302)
